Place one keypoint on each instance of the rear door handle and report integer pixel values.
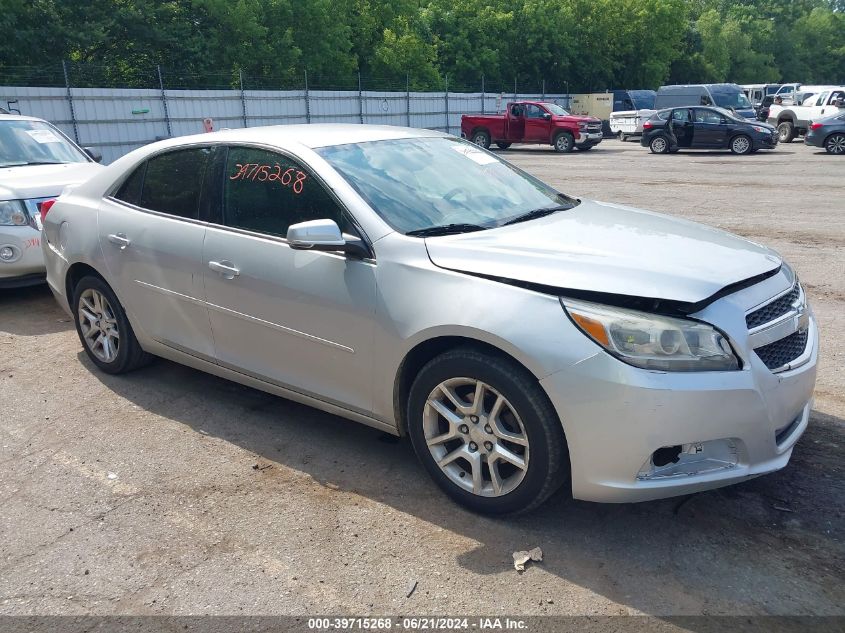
(120, 239)
(225, 268)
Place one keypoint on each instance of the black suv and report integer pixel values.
(705, 128)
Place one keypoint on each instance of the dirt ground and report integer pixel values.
(168, 491)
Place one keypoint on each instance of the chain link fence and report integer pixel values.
(117, 111)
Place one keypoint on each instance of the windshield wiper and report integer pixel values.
(445, 229)
(33, 162)
(536, 213)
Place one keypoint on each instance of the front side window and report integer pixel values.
(533, 112)
(266, 192)
(707, 116)
(419, 183)
(173, 182)
(25, 142)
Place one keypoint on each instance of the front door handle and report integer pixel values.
(120, 239)
(225, 268)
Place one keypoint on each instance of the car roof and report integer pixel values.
(312, 135)
(19, 117)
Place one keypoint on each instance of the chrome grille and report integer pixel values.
(774, 310)
(776, 355)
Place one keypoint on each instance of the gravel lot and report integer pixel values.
(168, 491)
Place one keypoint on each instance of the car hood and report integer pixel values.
(41, 181)
(605, 248)
(576, 118)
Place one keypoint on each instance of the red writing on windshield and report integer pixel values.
(256, 172)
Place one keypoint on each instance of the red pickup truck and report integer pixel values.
(533, 122)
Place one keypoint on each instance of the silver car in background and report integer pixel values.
(37, 162)
(523, 339)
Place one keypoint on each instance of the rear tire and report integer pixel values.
(835, 144)
(501, 145)
(501, 453)
(623, 137)
(564, 143)
(104, 329)
(659, 145)
(481, 138)
(741, 144)
(786, 132)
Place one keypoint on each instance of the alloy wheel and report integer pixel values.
(562, 143)
(476, 437)
(99, 325)
(741, 145)
(836, 144)
(658, 145)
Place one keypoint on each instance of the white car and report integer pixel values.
(37, 162)
(412, 281)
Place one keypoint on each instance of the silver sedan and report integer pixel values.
(521, 338)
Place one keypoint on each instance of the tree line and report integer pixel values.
(583, 45)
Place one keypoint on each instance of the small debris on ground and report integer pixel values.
(521, 557)
(411, 588)
(783, 508)
(112, 475)
(261, 467)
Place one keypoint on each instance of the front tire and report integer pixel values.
(104, 329)
(786, 132)
(481, 138)
(835, 144)
(741, 144)
(486, 432)
(564, 142)
(659, 145)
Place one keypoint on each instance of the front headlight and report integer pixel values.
(653, 341)
(13, 213)
(762, 130)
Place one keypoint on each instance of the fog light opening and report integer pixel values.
(666, 455)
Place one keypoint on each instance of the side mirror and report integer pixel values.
(324, 235)
(547, 115)
(94, 153)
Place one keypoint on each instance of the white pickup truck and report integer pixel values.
(792, 120)
(629, 123)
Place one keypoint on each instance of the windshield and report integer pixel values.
(420, 183)
(555, 109)
(735, 100)
(642, 99)
(730, 115)
(35, 143)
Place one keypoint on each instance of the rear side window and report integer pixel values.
(130, 190)
(173, 182)
(266, 192)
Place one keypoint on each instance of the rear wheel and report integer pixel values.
(104, 329)
(741, 144)
(623, 137)
(501, 145)
(786, 132)
(659, 145)
(486, 432)
(835, 144)
(564, 142)
(481, 138)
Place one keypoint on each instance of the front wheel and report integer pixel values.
(786, 132)
(481, 138)
(564, 142)
(104, 329)
(659, 145)
(486, 432)
(835, 144)
(741, 144)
